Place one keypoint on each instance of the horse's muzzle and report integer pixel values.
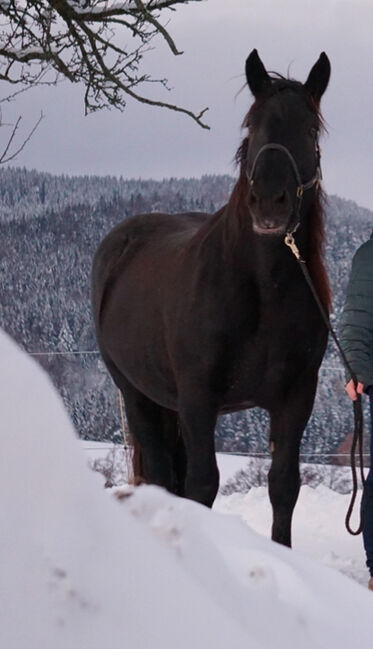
(270, 213)
(267, 230)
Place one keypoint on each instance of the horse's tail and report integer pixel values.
(137, 464)
(133, 455)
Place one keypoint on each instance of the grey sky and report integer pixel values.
(216, 37)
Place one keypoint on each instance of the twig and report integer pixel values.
(3, 158)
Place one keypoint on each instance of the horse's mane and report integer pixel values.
(316, 235)
(316, 244)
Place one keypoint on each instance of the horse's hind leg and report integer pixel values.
(176, 448)
(159, 455)
(198, 420)
(146, 422)
(152, 462)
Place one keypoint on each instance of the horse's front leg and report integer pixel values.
(197, 417)
(287, 425)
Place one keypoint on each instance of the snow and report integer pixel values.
(318, 526)
(109, 7)
(85, 567)
(229, 465)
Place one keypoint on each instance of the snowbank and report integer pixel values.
(150, 571)
(318, 529)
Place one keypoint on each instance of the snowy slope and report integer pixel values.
(84, 569)
(318, 529)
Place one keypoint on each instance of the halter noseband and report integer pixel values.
(301, 187)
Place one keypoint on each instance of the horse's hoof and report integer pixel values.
(370, 583)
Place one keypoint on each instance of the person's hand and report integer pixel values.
(352, 391)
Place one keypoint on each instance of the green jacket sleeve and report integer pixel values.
(356, 330)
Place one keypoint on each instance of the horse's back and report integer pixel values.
(145, 228)
(135, 233)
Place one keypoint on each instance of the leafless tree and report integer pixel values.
(100, 43)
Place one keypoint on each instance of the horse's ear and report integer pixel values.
(256, 74)
(318, 78)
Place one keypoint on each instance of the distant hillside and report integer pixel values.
(50, 227)
(29, 194)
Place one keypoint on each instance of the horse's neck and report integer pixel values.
(272, 252)
(227, 241)
(231, 253)
(261, 255)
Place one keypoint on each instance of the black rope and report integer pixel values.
(357, 439)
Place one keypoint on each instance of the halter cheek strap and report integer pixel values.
(301, 187)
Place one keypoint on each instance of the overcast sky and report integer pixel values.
(216, 37)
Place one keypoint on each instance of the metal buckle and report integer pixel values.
(290, 242)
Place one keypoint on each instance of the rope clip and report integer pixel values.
(290, 242)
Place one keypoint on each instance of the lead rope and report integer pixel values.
(357, 439)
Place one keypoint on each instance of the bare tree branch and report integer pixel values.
(84, 41)
(4, 157)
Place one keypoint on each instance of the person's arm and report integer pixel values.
(356, 331)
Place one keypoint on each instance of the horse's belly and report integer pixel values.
(235, 406)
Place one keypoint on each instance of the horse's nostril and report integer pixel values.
(281, 198)
(253, 198)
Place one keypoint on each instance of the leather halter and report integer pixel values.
(301, 187)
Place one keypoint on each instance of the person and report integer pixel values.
(356, 335)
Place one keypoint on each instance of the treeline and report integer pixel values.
(28, 194)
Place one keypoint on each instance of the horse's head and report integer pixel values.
(282, 155)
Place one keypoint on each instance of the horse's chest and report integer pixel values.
(280, 345)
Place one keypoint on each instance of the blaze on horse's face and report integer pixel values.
(285, 113)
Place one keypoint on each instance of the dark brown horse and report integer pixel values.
(200, 314)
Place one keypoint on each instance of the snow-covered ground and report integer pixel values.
(83, 568)
(318, 528)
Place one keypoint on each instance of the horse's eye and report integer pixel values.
(313, 131)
